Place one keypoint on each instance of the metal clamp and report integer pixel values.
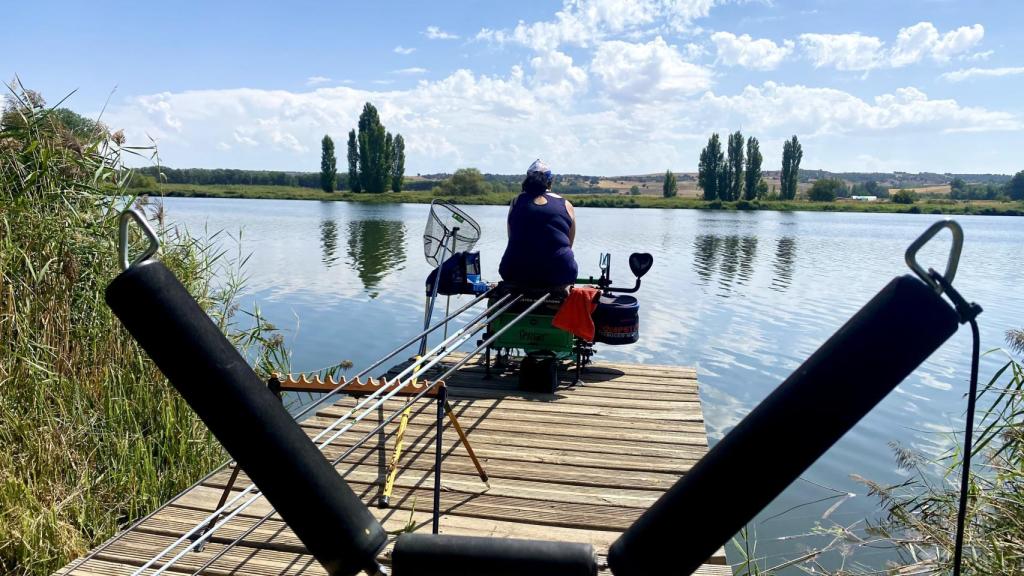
(954, 253)
(122, 245)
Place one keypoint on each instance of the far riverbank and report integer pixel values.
(925, 206)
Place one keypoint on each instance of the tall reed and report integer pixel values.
(93, 436)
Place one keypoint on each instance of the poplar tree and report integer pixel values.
(669, 188)
(328, 165)
(398, 164)
(752, 173)
(711, 163)
(735, 165)
(353, 163)
(792, 153)
(373, 153)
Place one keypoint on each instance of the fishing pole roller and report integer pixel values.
(783, 435)
(247, 419)
(445, 555)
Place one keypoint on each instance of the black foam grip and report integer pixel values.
(443, 555)
(246, 417)
(808, 413)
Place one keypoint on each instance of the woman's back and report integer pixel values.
(539, 252)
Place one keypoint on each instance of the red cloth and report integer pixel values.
(575, 315)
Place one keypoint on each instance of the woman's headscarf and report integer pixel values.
(538, 178)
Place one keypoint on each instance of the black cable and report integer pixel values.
(972, 395)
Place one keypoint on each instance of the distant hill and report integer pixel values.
(648, 184)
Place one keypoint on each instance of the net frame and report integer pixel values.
(437, 235)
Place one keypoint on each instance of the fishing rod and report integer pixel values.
(380, 426)
(393, 383)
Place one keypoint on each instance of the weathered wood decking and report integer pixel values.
(578, 465)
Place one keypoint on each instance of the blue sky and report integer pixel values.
(592, 86)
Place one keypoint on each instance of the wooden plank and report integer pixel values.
(516, 441)
(554, 456)
(470, 483)
(610, 367)
(526, 428)
(682, 411)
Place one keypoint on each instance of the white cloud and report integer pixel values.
(978, 56)
(403, 51)
(654, 70)
(760, 54)
(968, 73)
(555, 77)
(586, 22)
(494, 122)
(435, 33)
(957, 42)
(317, 80)
(913, 44)
(410, 71)
(842, 51)
(770, 107)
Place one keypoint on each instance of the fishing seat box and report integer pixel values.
(538, 372)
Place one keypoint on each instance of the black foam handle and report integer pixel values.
(443, 555)
(247, 418)
(808, 413)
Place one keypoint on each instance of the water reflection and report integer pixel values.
(329, 242)
(705, 246)
(785, 257)
(731, 257)
(375, 248)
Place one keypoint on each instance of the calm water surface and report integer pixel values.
(743, 297)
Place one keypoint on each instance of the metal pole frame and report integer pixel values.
(442, 401)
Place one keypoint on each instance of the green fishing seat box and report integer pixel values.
(534, 331)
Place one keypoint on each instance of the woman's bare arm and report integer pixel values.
(572, 228)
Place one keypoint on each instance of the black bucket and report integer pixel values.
(617, 320)
(538, 372)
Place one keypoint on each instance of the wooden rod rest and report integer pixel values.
(303, 383)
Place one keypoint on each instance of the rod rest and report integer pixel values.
(304, 383)
(444, 555)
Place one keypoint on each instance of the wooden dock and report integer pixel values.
(579, 465)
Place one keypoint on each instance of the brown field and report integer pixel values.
(940, 190)
(650, 185)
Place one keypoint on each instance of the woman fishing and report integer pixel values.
(541, 230)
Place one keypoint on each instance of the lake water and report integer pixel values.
(744, 297)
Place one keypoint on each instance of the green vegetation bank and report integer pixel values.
(93, 436)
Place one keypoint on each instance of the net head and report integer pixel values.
(448, 230)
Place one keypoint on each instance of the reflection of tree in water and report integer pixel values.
(375, 247)
(732, 257)
(785, 256)
(705, 248)
(730, 261)
(748, 252)
(329, 242)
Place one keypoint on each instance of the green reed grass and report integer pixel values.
(92, 435)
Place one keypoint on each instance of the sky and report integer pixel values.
(597, 87)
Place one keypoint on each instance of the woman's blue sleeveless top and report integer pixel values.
(538, 254)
